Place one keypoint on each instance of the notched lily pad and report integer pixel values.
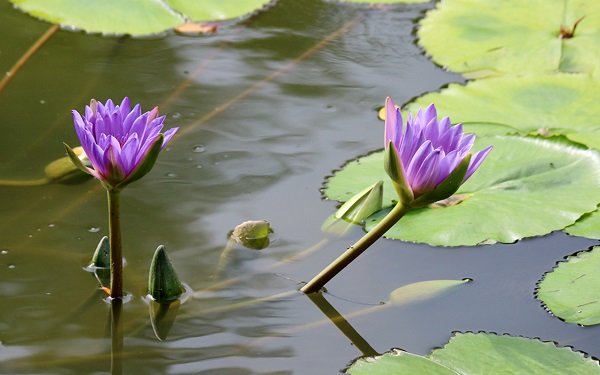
(524, 188)
(513, 37)
(587, 226)
(481, 353)
(570, 290)
(562, 104)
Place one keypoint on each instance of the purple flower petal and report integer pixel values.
(117, 138)
(476, 161)
(428, 149)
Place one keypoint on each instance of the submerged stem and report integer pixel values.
(40, 182)
(355, 250)
(27, 55)
(116, 252)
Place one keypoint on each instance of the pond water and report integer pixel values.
(266, 108)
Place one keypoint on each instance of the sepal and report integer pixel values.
(393, 167)
(447, 187)
(75, 159)
(145, 165)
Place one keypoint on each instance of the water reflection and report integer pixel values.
(162, 317)
(342, 324)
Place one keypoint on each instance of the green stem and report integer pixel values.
(116, 253)
(355, 250)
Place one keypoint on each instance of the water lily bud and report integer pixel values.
(101, 262)
(163, 282)
(63, 171)
(253, 234)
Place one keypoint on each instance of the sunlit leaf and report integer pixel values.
(362, 205)
(548, 105)
(587, 226)
(525, 187)
(217, 10)
(484, 353)
(513, 37)
(135, 17)
(425, 290)
(398, 362)
(385, 1)
(570, 291)
(481, 353)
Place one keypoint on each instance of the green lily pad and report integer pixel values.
(481, 353)
(513, 37)
(398, 362)
(570, 291)
(217, 10)
(587, 226)
(385, 1)
(525, 187)
(562, 104)
(135, 17)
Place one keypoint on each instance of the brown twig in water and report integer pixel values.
(27, 55)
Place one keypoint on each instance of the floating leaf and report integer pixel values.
(587, 226)
(570, 291)
(217, 10)
(481, 353)
(398, 362)
(135, 17)
(526, 187)
(513, 37)
(385, 1)
(425, 290)
(362, 205)
(559, 104)
(484, 353)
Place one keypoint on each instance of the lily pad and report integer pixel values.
(562, 104)
(398, 362)
(570, 291)
(524, 188)
(135, 17)
(513, 37)
(481, 353)
(425, 290)
(587, 226)
(385, 1)
(217, 10)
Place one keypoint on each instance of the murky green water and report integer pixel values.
(259, 129)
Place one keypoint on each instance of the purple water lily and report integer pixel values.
(428, 151)
(122, 144)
